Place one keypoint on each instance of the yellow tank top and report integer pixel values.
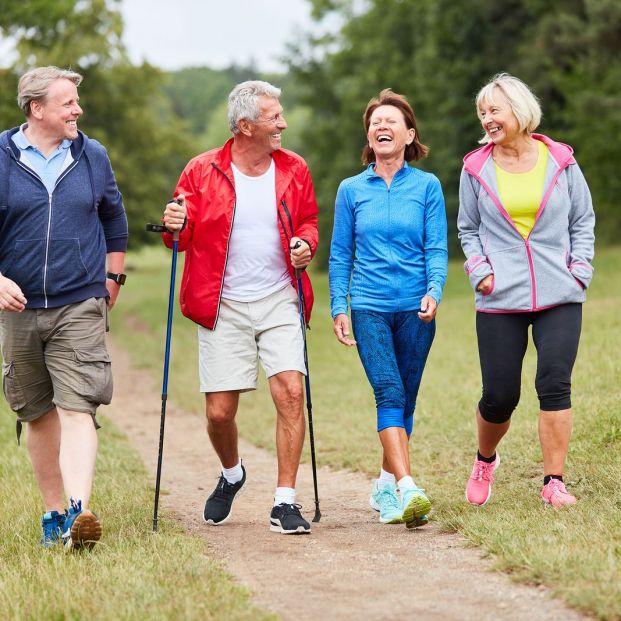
(521, 193)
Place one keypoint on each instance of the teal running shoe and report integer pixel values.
(384, 496)
(423, 520)
(414, 504)
(53, 524)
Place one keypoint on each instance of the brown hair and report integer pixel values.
(415, 151)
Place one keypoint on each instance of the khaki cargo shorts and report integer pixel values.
(267, 330)
(56, 357)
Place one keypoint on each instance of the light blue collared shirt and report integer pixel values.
(48, 168)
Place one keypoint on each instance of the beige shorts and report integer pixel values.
(267, 330)
(56, 357)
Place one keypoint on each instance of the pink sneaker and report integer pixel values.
(555, 494)
(479, 487)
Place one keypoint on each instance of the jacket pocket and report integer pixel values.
(94, 374)
(555, 283)
(511, 288)
(26, 265)
(66, 269)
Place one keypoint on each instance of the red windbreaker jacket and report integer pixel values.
(209, 188)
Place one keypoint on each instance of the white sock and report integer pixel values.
(284, 495)
(234, 474)
(387, 477)
(406, 483)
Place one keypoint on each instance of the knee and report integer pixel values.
(554, 391)
(218, 415)
(497, 406)
(289, 397)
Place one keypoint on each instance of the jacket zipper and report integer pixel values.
(503, 211)
(228, 242)
(49, 213)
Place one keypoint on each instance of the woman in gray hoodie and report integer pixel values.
(526, 227)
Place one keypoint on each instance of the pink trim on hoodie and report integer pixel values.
(562, 155)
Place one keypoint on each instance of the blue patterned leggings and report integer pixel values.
(393, 349)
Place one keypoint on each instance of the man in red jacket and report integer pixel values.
(247, 221)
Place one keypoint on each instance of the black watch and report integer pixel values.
(118, 278)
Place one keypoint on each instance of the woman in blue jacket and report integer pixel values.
(389, 240)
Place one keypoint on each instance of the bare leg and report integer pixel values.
(554, 434)
(490, 434)
(43, 443)
(396, 455)
(78, 452)
(286, 389)
(221, 425)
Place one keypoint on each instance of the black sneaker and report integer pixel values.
(219, 504)
(288, 520)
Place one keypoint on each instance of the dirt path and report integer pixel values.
(350, 567)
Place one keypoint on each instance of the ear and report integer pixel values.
(245, 127)
(36, 109)
(411, 136)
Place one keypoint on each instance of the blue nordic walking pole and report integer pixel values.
(309, 403)
(158, 228)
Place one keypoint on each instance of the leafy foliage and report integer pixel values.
(123, 105)
(439, 53)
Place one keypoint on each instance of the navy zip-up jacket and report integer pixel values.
(54, 245)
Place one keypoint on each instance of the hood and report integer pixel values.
(562, 153)
(77, 146)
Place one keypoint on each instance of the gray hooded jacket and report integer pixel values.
(552, 265)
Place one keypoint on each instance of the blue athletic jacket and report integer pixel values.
(389, 242)
(54, 245)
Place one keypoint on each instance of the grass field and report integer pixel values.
(131, 575)
(577, 552)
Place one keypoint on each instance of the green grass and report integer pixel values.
(577, 552)
(131, 574)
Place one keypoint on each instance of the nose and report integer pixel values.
(282, 123)
(77, 110)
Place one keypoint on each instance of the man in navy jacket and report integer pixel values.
(63, 236)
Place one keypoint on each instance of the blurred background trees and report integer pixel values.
(436, 52)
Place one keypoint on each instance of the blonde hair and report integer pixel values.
(524, 104)
(35, 84)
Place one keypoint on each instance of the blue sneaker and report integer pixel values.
(414, 505)
(384, 496)
(82, 527)
(53, 524)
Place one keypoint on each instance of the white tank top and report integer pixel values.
(256, 265)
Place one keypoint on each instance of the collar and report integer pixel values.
(19, 138)
(371, 169)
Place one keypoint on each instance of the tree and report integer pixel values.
(439, 53)
(124, 106)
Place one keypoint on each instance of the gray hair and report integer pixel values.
(35, 84)
(521, 99)
(244, 101)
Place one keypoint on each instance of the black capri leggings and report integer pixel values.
(503, 338)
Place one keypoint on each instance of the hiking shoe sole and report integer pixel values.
(85, 531)
(275, 527)
(423, 520)
(418, 506)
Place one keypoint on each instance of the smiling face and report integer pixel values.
(267, 129)
(388, 134)
(498, 120)
(58, 114)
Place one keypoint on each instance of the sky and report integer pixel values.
(180, 33)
